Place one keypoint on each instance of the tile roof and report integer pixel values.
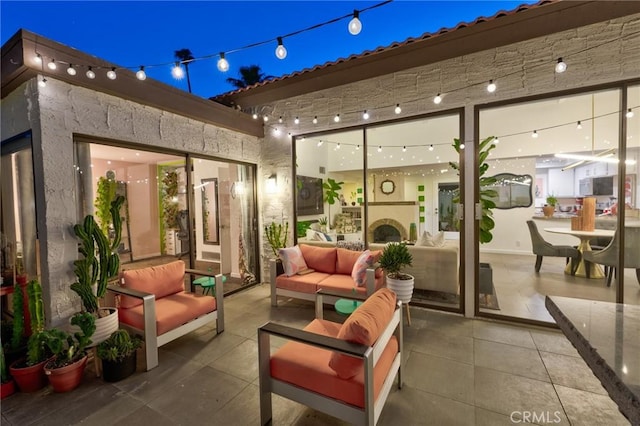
(395, 45)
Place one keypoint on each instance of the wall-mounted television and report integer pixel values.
(309, 195)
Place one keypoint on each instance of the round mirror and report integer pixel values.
(387, 187)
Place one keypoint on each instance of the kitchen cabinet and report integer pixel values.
(562, 183)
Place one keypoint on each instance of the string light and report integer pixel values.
(379, 148)
(496, 140)
(629, 113)
(255, 116)
(365, 115)
(280, 120)
(43, 82)
(398, 110)
(111, 74)
(38, 58)
(404, 149)
(491, 87)
(437, 99)
(534, 134)
(281, 51)
(357, 147)
(52, 65)
(561, 66)
(462, 146)
(141, 75)
(355, 26)
(265, 118)
(223, 64)
(320, 143)
(579, 125)
(338, 145)
(431, 147)
(71, 70)
(297, 120)
(177, 71)
(90, 74)
(315, 120)
(336, 118)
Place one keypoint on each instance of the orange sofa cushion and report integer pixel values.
(345, 260)
(364, 326)
(171, 311)
(308, 367)
(322, 259)
(302, 283)
(161, 280)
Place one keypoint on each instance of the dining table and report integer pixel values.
(585, 237)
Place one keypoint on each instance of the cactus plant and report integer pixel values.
(17, 338)
(68, 348)
(118, 346)
(277, 236)
(100, 262)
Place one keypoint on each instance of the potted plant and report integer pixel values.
(98, 266)
(331, 188)
(394, 258)
(118, 355)
(7, 385)
(276, 234)
(549, 208)
(323, 221)
(66, 368)
(29, 372)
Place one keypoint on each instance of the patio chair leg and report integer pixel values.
(638, 275)
(612, 271)
(587, 268)
(538, 263)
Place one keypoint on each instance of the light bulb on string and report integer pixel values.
(629, 113)
(398, 110)
(71, 70)
(315, 120)
(280, 120)
(561, 66)
(404, 149)
(534, 134)
(111, 74)
(496, 140)
(43, 82)
(579, 125)
(379, 148)
(365, 115)
(223, 64)
(177, 71)
(255, 116)
(338, 145)
(355, 26)
(52, 65)
(431, 147)
(296, 120)
(461, 146)
(281, 51)
(90, 74)
(265, 118)
(437, 99)
(491, 87)
(141, 75)
(337, 118)
(319, 143)
(38, 58)
(357, 147)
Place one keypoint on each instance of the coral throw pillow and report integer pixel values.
(359, 272)
(364, 326)
(292, 260)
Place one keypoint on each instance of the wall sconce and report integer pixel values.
(237, 189)
(272, 184)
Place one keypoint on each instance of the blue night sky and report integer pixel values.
(130, 33)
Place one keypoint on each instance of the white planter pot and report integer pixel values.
(402, 288)
(104, 327)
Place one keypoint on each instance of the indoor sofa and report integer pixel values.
(333, 268)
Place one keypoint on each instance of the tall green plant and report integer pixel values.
(17, 337)
(36, 346)
(100, 262)
(4, 371)
(106, 192)
(487, 195)
(331, 195)
(276, 234)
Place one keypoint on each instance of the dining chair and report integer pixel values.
(543, 248)
(608, 256)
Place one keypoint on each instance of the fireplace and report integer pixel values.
(386, 230)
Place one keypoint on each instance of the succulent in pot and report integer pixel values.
(118, 355)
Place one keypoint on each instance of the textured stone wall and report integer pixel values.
(64, 110)
(520, 70)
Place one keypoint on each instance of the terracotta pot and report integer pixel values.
(66, 378)
(548, 210)
(29, 379)
(7, 389)
(116, 371)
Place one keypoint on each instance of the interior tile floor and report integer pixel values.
(458, 371)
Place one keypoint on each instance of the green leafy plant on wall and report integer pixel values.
(170, 207)
(486, 195)
(106, 193)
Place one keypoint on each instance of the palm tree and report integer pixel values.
(185, 57)
(249, 75)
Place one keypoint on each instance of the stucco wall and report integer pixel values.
(65, 110)
(527, 68)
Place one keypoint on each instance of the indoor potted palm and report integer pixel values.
(66, 368)
(394, 258)
(118, 355)
(98, 266)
